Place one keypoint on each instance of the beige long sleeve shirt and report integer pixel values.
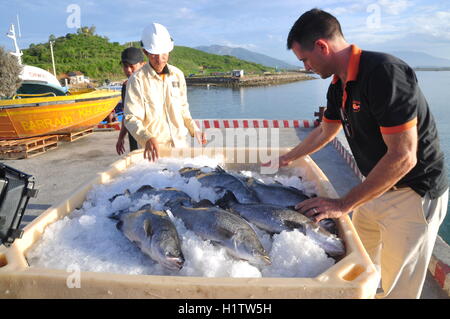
(157, 106)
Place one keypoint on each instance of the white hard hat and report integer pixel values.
(156, 39)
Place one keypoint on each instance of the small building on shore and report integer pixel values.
(237, 73)
(77, 77)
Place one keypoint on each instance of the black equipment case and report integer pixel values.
(16, 188)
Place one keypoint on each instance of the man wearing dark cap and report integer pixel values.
(132, 60)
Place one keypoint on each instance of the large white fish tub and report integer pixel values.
(354, 276)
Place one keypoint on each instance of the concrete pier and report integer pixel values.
(249, 80)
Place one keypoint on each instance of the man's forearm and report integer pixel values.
(123, 129)
(317, 139)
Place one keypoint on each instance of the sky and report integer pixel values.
(259, 26)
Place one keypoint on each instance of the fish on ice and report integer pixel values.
(154, 233)
(276, 218)
(222, 228)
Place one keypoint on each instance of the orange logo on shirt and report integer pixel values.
(356, 105)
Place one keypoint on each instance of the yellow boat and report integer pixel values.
(31, 116)
(42, 106)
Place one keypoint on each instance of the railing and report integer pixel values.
(34, 95)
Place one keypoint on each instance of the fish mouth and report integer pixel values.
(174, 263)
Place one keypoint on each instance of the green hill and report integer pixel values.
(99, 58)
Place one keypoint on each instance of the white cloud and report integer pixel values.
(436, 25)
(185, 13)
(248, 46)
(349, 9)
(394, 7)
(276, 37)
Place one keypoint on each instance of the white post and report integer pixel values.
(12, 35)
(53, 58)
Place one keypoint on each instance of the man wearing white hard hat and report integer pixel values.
(156, 108)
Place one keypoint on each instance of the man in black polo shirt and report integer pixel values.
(375, 97)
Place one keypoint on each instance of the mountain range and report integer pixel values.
(247, 55)
(421, 59)
(413, 58)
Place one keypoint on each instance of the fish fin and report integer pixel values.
(145, 207)
(178, 202)
(203, 203)
(114, 197)
(223, 232)
(250, 182)
(116, 215)
(148, 227)
(215, 242)
(218, 189)
(144, 188)
(224, 201)
(220, 169)
(119, 225)
(294, 225)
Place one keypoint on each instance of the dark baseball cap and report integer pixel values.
(132, 56)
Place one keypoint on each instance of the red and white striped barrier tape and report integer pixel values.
(254, 123)
(440, 271)
(348, 157)
(238, 123)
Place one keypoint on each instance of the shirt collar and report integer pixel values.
(153, 72)
(353, 65)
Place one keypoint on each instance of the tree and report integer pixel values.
(92, 30)
(10, 70)
(86, 30)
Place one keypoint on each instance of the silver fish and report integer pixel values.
(221, 181)
(155, 234)
(223, 228)
(276, 218)
(276, 193)
(164, 195)
(188, 172)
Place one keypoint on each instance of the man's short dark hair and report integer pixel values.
(313, 25)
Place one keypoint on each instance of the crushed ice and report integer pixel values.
(89, 239)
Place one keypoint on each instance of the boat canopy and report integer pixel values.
(36, 81)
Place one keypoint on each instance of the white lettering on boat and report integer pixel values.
(34, 125)
(94, 110)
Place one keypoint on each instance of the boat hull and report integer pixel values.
(25, 118)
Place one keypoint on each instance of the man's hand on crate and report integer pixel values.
(319, 208)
